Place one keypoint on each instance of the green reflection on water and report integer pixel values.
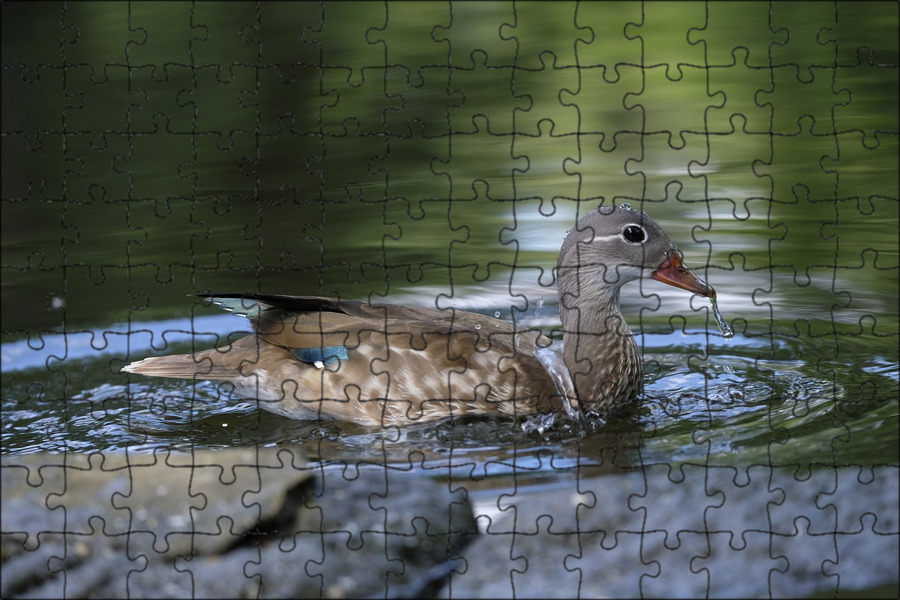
(358, 149)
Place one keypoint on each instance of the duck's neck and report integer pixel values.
(599, 349)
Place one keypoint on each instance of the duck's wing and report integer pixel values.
(296, 321)
(322, 322)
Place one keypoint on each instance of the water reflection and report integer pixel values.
(716, 403)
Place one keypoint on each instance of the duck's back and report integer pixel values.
(375, 364)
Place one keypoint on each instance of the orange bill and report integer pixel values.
(673, 272)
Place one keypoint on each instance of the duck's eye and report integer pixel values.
(634, 234)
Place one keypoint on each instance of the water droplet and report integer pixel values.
(478, 326)
(625, 205)
(497, 314)
(726, 330)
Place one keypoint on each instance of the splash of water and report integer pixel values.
(720, 320)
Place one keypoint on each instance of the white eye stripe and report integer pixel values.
(621, 235)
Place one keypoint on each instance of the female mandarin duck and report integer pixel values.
(382, 364)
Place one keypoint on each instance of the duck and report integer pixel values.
(379, 365)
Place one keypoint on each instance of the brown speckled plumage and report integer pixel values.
(405, 365)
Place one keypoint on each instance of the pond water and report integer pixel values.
(734, 402)
(414, 154)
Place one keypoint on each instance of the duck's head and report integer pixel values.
(611, 246)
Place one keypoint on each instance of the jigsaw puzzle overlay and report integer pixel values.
(435, 155)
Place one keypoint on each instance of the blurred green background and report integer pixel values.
(359, 148)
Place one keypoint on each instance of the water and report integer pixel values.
(720, 320)
(749, 400)
(424, 164)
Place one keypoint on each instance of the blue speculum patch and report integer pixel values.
(324, 354)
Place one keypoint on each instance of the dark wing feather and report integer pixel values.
(318, 321)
